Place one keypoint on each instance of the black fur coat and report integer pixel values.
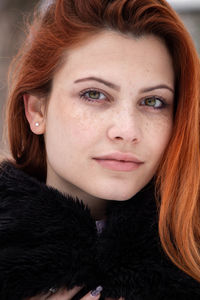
(48, 239)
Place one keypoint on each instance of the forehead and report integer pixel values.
(112, 53)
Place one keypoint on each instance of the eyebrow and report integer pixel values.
(117, 87)
(107, 83)
(157, 87)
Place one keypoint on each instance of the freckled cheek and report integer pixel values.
(76, 127)
(159, 134)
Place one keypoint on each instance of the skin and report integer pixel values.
(122, 119)
(67, 295)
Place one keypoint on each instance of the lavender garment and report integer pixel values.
(100, 224)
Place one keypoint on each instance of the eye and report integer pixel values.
(93, 95)
(154, 102)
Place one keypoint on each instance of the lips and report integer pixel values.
(119, 156)
(119, 161)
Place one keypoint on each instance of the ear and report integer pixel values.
(35, 113)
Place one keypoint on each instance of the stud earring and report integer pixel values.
(37, 124)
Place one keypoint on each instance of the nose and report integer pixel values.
(125, 126)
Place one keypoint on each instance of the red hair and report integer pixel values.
(67, 23)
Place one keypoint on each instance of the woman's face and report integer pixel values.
(113, 94)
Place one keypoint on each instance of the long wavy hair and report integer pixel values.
(63, 24)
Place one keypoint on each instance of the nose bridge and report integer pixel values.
(127, 112)
(130, 118)
(126, 123)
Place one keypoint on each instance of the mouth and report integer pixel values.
(118, 165)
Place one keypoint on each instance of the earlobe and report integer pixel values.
(34, 111)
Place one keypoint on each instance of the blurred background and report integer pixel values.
(13, 15)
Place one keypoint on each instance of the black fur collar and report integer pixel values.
(48, 239)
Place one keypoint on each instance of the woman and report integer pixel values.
(103, 187)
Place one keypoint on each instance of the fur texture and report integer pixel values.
(48, 239)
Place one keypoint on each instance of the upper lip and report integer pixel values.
(120, 156)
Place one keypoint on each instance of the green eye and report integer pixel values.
(153, 102)
(94, 94)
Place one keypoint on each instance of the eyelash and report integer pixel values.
(87, 99)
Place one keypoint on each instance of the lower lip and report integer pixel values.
(117, 165)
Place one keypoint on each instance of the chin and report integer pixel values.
(119, 192)
(117, 196)
(123, 197)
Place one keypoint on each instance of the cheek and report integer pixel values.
(69, 125)
(158, 134)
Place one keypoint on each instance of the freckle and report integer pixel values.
(147, 125)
